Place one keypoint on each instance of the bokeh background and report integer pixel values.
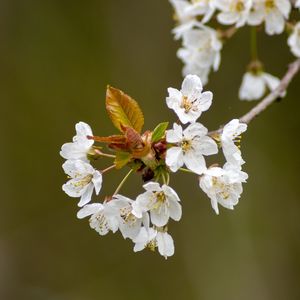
(56, 59)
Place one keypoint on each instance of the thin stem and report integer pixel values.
(168, 179)
(104, 154)
(122, 182)
(108, 169)
(228, 33)
(164, 178)
(186, 170)
(253, 40)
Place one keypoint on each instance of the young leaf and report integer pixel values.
(122, 158)
(159, 131)
(123, 110)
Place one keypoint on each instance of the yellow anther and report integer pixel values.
(270, 4)
(186, 104)
(186, 145)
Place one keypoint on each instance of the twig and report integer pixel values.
(108, 169)
(270, 98)
(122, 182)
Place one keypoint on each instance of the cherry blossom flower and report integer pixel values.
(294, 40)
(223, 185)
(201, 48)
(254, 86)
(185, 16)
(148, 237)
(233, 11)
(189, 102)
(231, 134)
(84, 179)
(273, 12)
(205, 8)
(145, 238)
(80, 146)
(161, 202)
(191, 145)
(193, 68)
(129, 224)
(104, 217)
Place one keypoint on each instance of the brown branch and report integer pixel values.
(293, 69)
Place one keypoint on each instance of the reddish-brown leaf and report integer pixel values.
(123, 110)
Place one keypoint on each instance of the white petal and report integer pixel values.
(227, 18)
(190, 84)
(174, 135)
(175, 210)
(87, 195)
(174, 158)
(274, 22)
(174, 98)
(83, 130)
(205, 145)
(97, 181)
(152, 186)
(252, 88)
(195, 162)
(74, 151)
(89, 209)
(160, 217)
(165, 244)
(193, 130)
(206, 100)
(214, 205)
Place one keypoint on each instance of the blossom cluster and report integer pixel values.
(154, 155)
(202, 44)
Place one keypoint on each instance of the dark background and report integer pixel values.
(56, 58)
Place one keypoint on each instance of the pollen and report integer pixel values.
(127, 216)
(186, 104)
(152, 245)
(186, 145)
(83, 181)
(160, 197)
(270, 4)
(240, 6)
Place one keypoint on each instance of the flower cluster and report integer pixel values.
(154, 155)
(202, 44)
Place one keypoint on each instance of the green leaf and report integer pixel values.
(159, 131)
(123, 110)
(122, 158)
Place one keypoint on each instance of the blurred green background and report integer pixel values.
(56, 59)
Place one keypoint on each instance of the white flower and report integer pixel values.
(223, 186)
(232, 133)
(273, 12)
(184, 15)
(294, 40)
(145, 238)
(254, 86)
(189, 102)
(165, 244)
(297, 4)
(148, 237)
(161, 202)
(84, 179)
(193, 68)
(80, 146)
(205, 8)
(129, 224)
(204, 47)
(191, 145)
(104, 217)
(233, 11)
